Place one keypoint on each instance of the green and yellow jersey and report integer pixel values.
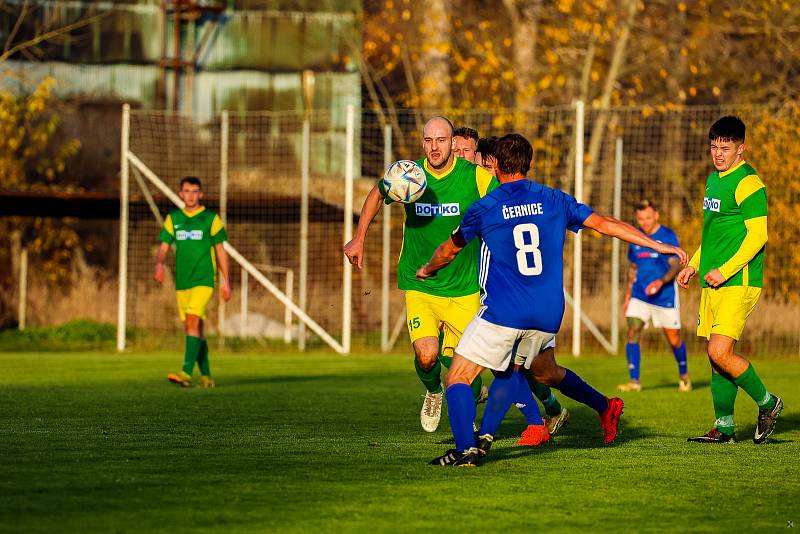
(734, 227)
(194, 236)
(432, 218)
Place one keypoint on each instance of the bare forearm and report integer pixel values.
(674, 268)
(622, 230)
(372, 204)
(223, 262)
(161, 255)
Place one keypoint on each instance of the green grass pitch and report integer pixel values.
(287, 442)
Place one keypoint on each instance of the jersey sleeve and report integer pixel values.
(485, 181)
(751, 196)
(167, 231)
(470, 226)
(576, 212)
(218, 233)
(631, 257)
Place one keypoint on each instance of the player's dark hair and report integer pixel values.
(486, 146)
(514, 154)
(728, 128)
(644, 204)
(467, 133)
(191, 180)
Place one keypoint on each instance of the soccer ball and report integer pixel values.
(404, 181)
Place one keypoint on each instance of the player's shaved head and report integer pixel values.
(435, 124)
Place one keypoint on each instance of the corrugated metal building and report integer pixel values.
(248, 57)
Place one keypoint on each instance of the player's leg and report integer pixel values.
(557, 416)
(461, 411)
(192, 341)
(673, 336)
(547, 371)
(454, 319)
(722, 354)
(723, 315)
(446, 348)
(423, 330)
(637, 316)
(203, 361)
(509, 387)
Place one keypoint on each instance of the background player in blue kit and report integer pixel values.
(522, 227)
(652, 297)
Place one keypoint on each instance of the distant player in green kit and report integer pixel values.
(446, 302)
(730, 262)
(198, 235)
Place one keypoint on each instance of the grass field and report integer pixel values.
(101, 442)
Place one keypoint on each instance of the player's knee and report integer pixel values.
(546, 376)
(633, 335)
(426, 360)
(719, 351)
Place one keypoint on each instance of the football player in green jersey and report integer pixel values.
(730, 262)
(445, 303)
(465, 142)
(198, 235)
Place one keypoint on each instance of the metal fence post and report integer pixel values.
(617, 212)
(577, 250)
(387, 245)
(122, 293)
(304, 192)
(347, 285)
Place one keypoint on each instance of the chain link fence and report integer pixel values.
(252, 167)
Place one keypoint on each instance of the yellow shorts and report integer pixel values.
(194, 301)
(725, 310)
(427, 314)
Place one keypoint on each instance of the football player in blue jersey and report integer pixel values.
(652, 297)
(522, 226)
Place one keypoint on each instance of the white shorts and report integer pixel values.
(492, 346)
(659, 316)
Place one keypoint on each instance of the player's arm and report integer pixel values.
(685, 276)
(223, 264)
(624, 231)
(656, 285)
(218, 238)
(443, 255)
(167, 237)
(751, 196)
(354, 249)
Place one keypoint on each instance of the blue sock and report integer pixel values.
(574, 387)
(680, 357)
(461, 411)
(634, 354)
(526, 402)
(502, 393)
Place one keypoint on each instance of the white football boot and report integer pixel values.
(431, 411)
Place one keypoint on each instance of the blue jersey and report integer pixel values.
(522, 225)
(651, 265)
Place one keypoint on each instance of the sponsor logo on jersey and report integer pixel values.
(711, 204)
(452, 209)
(191, 235)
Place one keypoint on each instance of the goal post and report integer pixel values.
(154, 196)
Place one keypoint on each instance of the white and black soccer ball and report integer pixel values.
(404, 181)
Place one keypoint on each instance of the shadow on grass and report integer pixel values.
(696, 384)
(279, 379)
(581, 432)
